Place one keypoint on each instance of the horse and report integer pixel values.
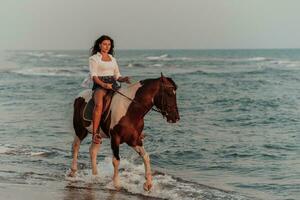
(123, 121)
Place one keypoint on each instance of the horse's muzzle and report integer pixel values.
(174, 117)
(173, 121)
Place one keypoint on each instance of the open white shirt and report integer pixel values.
(98, 67)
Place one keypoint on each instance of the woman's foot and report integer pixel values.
(97, 139)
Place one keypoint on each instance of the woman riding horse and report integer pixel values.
(104, 72)
(123, 121)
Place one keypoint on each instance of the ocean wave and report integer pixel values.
(38, 54)
(278, 146)
(48, 71)
(165, 186)
(61, 55)
(258, 59)
(41, 153)
(227, 59)
(135, 65)
(5, 149)
(23, 150)
(251, 59)
(166, 57)
(161, 57)
(34, 54)
(145, 65)
(287, 63)
(250, 70)
(47, 55)
(157, 65)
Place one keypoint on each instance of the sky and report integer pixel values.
(150, 24)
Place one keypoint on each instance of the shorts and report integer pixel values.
(107, 79)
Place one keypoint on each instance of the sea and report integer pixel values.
(238, 137)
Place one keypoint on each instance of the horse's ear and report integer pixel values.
(161, 76)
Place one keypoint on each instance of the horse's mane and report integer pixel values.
(172, 82)
(145, 81)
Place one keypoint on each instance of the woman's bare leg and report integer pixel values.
(98, 99)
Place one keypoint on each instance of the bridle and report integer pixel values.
(162, 110)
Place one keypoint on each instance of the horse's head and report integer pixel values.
(165, 99)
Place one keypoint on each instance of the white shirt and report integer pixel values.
(98, 67)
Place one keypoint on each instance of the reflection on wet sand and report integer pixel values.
(90, 191)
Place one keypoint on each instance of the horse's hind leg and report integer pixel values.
(148, 176)
(75, 150)
(80, 132)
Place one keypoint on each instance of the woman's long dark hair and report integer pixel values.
(96, 47)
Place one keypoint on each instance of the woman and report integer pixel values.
(104, 72)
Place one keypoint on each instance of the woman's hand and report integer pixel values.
(108, 86)
(125, 79)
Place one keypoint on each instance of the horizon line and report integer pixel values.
(141, 49)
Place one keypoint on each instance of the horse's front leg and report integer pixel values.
(94, 148)
(115, 142)
(75, 150)
(141, 151)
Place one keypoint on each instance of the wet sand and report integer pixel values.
(63, 191)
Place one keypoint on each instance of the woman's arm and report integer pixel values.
(117, 74)
(125, 79)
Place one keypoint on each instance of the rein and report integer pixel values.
(162, 111)
(136, 101)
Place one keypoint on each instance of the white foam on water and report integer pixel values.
(287, 63)
(7, 149)
(4, 149)
(257, 59)
(35, 54)
(157, 65)
(157, 57)
(164, 186)
(251, 59)
(48, 71)
(166, 57)
(38, 153)
(19, 150)
(61, 55)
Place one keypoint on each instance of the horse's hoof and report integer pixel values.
(118, 188)
(95, 178)
(117, 184)
(147, 186)
(72, 173)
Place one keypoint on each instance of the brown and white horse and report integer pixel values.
(123, 120)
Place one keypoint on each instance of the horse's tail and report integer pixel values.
(78, 122)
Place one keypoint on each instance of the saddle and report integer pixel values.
(88, 110)
(89, 107)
